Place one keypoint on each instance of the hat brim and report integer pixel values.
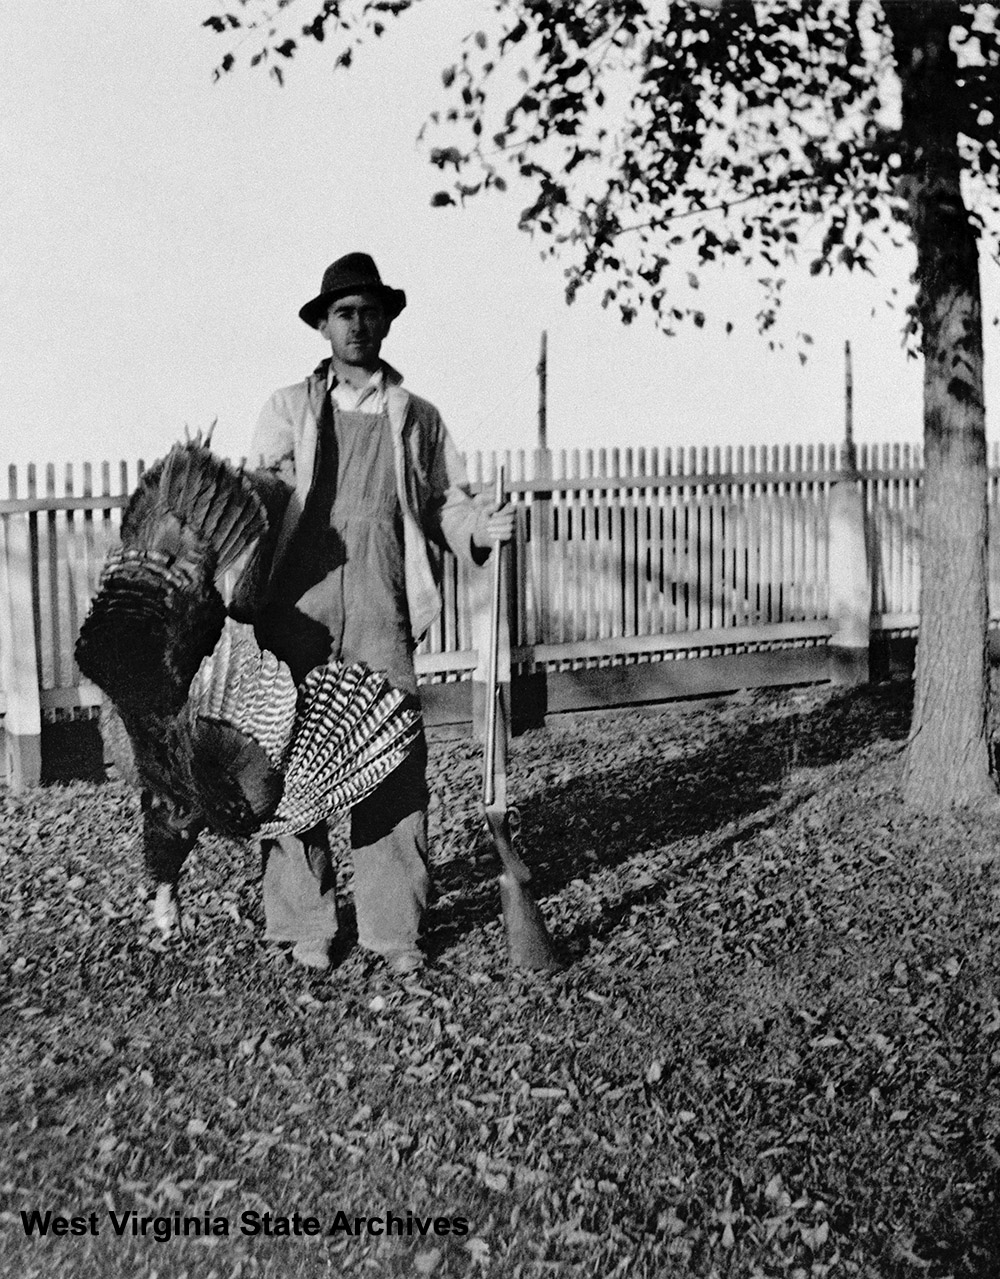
(316, 308)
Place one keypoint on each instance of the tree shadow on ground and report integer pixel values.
(621, 809)
(617, 806)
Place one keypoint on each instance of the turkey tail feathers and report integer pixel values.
(353, 730)
(248, 688)
(205, 494)
(158, 613)
(146, 631)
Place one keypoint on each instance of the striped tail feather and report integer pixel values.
(127, 565)
(207, 496)
(247, 687)
(354, 729)
(342, 708)
(367, 769)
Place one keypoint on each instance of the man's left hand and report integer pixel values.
(498, 526)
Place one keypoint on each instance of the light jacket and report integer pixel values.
(438, 509)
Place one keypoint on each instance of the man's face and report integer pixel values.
(355, 326)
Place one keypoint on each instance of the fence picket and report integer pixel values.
(560, 551)
(34, 545)
(578, 514)
(677, 540)
(667, 544)
(616, 552)
(630, 553)
(76, 578)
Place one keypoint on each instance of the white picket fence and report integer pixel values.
(621, 557)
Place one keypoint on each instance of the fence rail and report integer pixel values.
(622, 557)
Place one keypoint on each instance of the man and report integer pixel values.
(375, 489)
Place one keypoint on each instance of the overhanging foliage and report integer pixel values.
(754, 133)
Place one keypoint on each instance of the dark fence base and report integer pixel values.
(615, 686)
(542, 693)
(73, 749)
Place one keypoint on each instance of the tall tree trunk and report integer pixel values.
(947, 760)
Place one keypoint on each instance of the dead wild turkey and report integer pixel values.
(209, 726)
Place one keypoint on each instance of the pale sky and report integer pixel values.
(160, 232)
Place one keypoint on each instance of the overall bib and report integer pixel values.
(344, 598)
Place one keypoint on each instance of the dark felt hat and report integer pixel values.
(353, 273)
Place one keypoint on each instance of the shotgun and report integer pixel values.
(528, 942)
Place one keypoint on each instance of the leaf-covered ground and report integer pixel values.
(775, 1053)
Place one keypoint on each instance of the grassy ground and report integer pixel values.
(775, 1053)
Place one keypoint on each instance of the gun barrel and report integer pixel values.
(492, 684)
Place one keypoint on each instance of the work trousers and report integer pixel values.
(389, 851)
(344, 599)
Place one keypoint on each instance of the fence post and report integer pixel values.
(18, 665)
(849, 581)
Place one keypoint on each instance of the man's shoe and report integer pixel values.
(312, 954)
(405, 963)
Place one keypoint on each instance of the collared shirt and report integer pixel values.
(369, 398)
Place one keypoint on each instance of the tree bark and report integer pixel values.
(947, 759)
